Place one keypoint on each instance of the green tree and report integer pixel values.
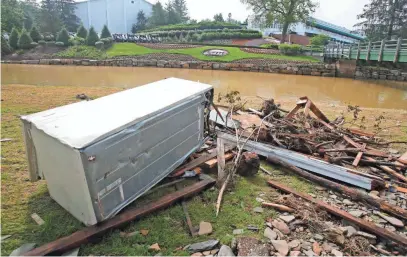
(67, 15)
(181, 9)
(230, 17)
(50, 19)
(24, 42)
(13, 40)
(31, 12)
(35, 34)
(172, 16)
(320, 40)
(285, 12)
(63, 37)
(383, 19)
(158, 15)
(218, 17)
(11, 15)
(92, 37)
(105, 32)
(141, 22)
(82, 32)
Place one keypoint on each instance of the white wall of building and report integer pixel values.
(118, 15)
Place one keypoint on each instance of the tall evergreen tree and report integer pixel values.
(181, 9)
(13, 40)
(158, 15)
(172, 16)
(82, 32)
(141, 22)
(50, 19)
(218, 17)
(384, 19)
(35, 34)
(105, 32)
(31, 12)
(67, 14)
(11, 15)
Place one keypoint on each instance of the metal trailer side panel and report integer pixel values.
(62, 168)
(123, 166)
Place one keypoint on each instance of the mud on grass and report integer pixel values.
(21, 198)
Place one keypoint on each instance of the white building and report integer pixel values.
(118, 15)
(312, 27)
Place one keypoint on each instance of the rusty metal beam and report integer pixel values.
(368, 226)
(356, 195)
(80, 237)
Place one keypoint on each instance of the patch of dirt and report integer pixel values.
(265, 62)
(37, 53)
(167, 46)
(260, 51)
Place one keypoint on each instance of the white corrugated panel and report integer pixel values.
(81, 124)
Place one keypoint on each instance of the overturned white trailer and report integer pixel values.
(98, 156)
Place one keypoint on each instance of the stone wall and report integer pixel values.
(366, 72)
(313, 69)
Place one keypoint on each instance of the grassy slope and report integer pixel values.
(20, 198)
(131, 49)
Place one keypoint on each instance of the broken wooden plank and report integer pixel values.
(359, 155)
(361, 132)
(220, 150)
(213, 162)
(80, 237)
(403, 158)
(346, 175)
(368, 226)
(356, 195)
(291, 114)
(187, 217)
(193, 164)
(279, 207)
(389, 171)
(37, 219)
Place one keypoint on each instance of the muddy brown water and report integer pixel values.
(371, 94)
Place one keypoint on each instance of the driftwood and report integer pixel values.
(368, 226)
(279, 207)
(352, 193)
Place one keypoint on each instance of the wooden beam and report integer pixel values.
(356, 195)
(359, 156)
(389, 171)
(368, 226)
(220, 149)
(397, 53)
(87, 234)
(380, 58)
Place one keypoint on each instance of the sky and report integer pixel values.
(339, 12)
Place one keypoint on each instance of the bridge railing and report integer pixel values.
(385, 50)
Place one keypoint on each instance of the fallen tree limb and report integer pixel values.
(368, 226)
(80, 237)
(352, 193)
(278, 207)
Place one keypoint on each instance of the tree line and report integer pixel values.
(48, 15)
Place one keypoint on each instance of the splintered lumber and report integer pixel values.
(314, 165)
(213, 162)
(356, 195)
(389, 171)
(368, 226)
(278, 207)
(87, 234)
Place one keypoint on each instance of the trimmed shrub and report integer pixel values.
(5, 47)
(35, 34)
(59, 43)
(99, 45)
(34, 44)
(42, 42)
(82, 32)
(24, 42)
(271, 46)
(76, 41)
(320, 40)
(13, 40)
(288, 49)
(92, 37)
(107, 42)
(49, 37)
(63, 37)
(105, 32)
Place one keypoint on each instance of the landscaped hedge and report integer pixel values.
(288, 49)
(185, 33)
(200, 25)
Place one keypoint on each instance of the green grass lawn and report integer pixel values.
(21, 198)
(131, 49)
